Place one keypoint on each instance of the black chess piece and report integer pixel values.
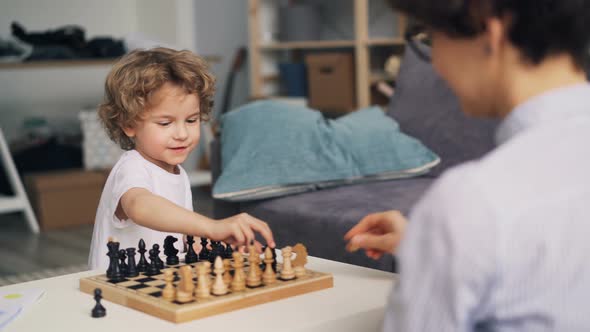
(114, 273)
(98, 310)
(216, 250)
(191, 255)
(204, 254)
(111, 255)
(142, 264)
(122, 264)
(170, 251)
(160, 262)
(153, 268)
(228, 252)
(131, 267)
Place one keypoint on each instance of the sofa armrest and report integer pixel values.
(221, 209)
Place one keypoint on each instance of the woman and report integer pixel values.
(500, 243)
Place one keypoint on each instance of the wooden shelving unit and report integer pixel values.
(77, 63)
(361, 45)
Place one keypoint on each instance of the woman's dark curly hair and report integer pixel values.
(539, 28)
(135, 78)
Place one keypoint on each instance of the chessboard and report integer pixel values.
(145, 293)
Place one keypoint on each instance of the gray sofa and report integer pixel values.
(426, 109)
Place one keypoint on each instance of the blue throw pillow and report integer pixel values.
(271, 149)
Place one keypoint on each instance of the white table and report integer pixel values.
(356, 303)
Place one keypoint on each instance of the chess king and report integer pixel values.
(154, 103)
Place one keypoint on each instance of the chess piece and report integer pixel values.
(228, 252)
(159, 262)
(254, 259)
(142, 264)
(216, 250)
(203, 283)
(170, 251)
(269, 276)
(219, 286)
(114, 272)
(152, 268)
(131, 267)
(253, 279)
(122, 264)
(238, 283)
(287, 272)
(274, 258)
(168, 293)
(204, 254)
(300, 260)
(98, 310)
(184, 292)
(191, 255)
(226, 273)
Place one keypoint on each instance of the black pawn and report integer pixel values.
(122, 264)
(152, 268)
(114, 272)
(204, 254)
(170, 251)
(142, 264)
(131, 267)
(191, 255)
(98, 310)
(216, 250)
(156, 248)
(228, 252)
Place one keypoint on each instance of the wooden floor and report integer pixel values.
(24, 252)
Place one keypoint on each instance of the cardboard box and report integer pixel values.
(331, 81)
(65, 198)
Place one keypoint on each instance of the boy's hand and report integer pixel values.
(377, 233)
(239, 230)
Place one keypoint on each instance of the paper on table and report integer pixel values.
(14, 303)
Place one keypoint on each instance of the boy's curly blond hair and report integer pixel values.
(137, 76)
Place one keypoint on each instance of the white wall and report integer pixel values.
(221, 28)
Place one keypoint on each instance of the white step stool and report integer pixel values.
(20, 201)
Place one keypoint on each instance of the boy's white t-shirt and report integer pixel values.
(133, 171)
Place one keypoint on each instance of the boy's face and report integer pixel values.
(170, 130)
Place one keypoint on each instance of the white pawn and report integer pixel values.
(269, 276)
(219, 286)
(202, 291)
(168, 293)
(287, 272)
(239, 281)
(184, 293)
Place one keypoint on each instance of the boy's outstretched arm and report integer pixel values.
(155, 212)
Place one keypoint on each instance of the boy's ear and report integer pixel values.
(129, 131)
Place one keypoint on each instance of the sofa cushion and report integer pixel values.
(427, 109)
(272, 149)
(320, 219)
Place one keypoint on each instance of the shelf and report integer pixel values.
(56, 63)
(307, 44)
(385, 42)
(380, 76)
(78, 63)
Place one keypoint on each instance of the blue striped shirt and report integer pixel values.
(503, 243)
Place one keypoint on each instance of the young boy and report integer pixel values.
(500, 243)
(154, 102)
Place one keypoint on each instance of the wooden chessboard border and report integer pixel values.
(178, 313)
